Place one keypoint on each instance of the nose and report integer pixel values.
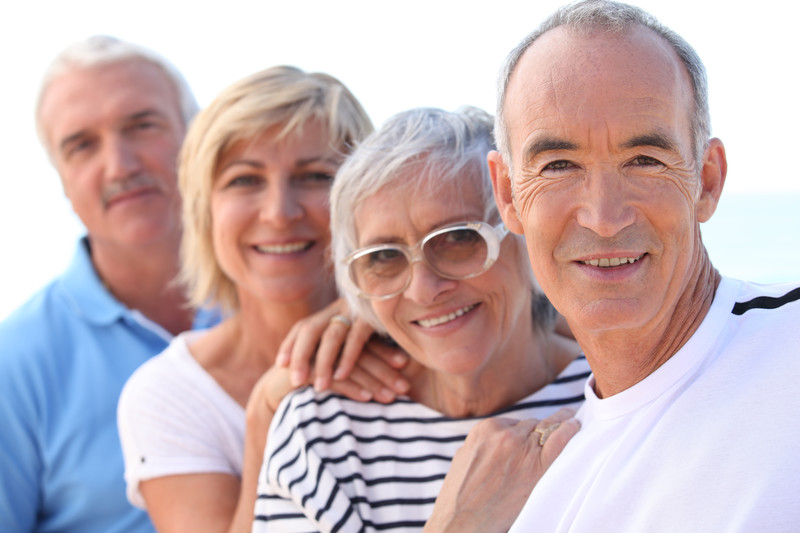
(426, 285)
(281, 205)
(121, 159)
(606, 207)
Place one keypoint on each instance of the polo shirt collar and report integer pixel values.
(86, 291)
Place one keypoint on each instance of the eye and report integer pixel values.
(385, 257)
(646, 161)
(78, 147)
(558, 166)
(313, 179)
(244, 180)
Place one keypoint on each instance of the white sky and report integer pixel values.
(393, 56)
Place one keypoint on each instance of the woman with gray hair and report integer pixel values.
(421, 254)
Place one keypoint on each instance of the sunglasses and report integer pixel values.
(456, 251)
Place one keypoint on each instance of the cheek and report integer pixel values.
(317, 208)
(384, 310)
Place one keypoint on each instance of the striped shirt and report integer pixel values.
(333, 464)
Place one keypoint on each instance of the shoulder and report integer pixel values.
(777, 299)
(31, 334)
(164, 377)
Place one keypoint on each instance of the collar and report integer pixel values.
(85, 290)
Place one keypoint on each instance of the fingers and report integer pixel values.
(300, 345)
(556, 431)
(336, 332)
(357, 338)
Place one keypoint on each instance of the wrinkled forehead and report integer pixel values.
(568, 80)
(419, 196)
(83, 97)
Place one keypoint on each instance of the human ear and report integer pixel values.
(503, 191)
(712, 179)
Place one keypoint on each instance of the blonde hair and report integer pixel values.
(279, 96)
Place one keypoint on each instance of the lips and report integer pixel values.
(608, 262)
(443, 319)
(284, 248)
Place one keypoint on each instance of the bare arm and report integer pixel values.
(192, 502)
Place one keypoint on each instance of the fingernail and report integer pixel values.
(338, 374)
(386, 395)
(401, 386)
(296, 378)
(365, 395)
(399, 360)
(319, 384)
(282, 359)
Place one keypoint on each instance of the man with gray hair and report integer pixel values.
(607, 166)
(111, 116)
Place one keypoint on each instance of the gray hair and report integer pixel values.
(616, 18)
(425, 151)
(104, 50)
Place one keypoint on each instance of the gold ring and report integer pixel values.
(545, 433)
(341, 319)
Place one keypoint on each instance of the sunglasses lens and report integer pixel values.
(458, 253)
(380, 272)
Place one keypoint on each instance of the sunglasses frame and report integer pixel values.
(492, 235)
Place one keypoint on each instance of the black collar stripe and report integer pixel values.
(766, 302)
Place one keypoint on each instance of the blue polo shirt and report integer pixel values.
(64, 357)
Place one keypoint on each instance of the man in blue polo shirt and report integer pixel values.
(111, 116)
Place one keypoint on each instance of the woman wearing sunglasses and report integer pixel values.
(421, 254)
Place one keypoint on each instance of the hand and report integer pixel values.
(333, 343)
(495, 470)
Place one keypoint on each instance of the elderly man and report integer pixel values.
(607, 166)
(111, 116)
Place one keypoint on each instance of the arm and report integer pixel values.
(494, 472)
(19, 457)
(192, 502)
(181, 449)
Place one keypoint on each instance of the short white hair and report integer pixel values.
(423, 151)
(105, 50)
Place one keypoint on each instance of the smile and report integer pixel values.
(284, 248)
(607, 262)
(430, 322)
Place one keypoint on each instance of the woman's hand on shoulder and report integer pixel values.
(331, 351)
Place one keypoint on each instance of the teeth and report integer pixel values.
(429, 323)
(611, 262)
(284, 248)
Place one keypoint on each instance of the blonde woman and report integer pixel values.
(255, 175)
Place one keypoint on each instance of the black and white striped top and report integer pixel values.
(334, 464)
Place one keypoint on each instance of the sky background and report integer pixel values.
(395, 56)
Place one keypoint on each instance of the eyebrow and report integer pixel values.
(299, 163)
(382, 239)
(547, 144)
(134, 116)
(656, 140)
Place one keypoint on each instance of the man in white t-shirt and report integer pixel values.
(606, 164)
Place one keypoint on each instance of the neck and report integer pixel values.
(530, 360)
(143, 279)
(622, 358)
(264, 324)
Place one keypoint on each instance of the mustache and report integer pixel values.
(130, 183)
(584, 242)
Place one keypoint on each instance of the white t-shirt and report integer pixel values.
(709, 442)
(333, 464)
(174, 418)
